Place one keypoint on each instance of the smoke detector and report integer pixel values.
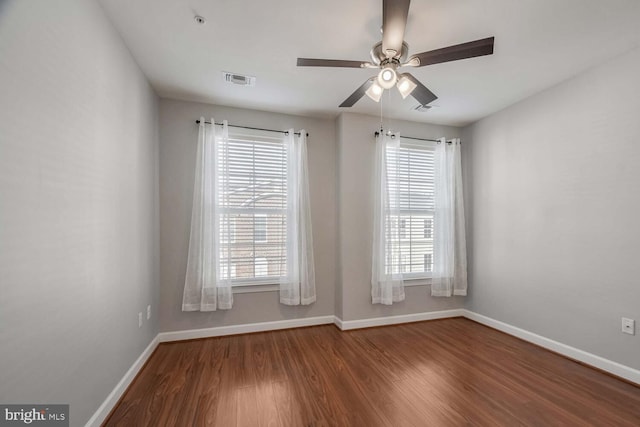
(239, 79)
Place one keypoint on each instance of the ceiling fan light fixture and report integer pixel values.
(405, 86)
(375, 92)
(387, 78)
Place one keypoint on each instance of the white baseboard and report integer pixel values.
(338, 322)
(346, 325)
(607, 365)
(244, 329)
(110, 402)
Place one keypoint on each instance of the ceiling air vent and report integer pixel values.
(422, 108)
(239, 79)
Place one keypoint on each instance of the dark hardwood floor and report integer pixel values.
(439, 373)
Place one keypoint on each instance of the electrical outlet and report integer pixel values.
(140, 320)
(628, 326)
(148, 312)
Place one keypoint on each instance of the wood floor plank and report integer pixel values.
(508, 381)
(367, 387)
(247, 409)
(309, 381)
(287, 404)
(449, 372)
(181, 380)
(211, 360)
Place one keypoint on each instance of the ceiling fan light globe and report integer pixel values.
(387, 78)
(405, 86)
(374, 92)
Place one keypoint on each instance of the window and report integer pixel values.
(252, 192)
(224, 271)
(412, 190)
(428, 262)
(405, 263)
(228, 234)
(428, 228)
(261, 267)
(260, 228)
(403, 228)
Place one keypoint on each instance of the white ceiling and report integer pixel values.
(539, 43)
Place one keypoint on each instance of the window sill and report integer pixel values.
(249, 289)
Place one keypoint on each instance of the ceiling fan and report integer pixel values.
(391, 53)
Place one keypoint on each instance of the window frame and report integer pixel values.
(406, 217)
(260, 283)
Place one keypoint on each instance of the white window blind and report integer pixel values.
(252, 192)
(260, 228)
(411, 193)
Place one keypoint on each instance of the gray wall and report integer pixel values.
(338, 308)
(553, 212)
(355, 200)
(78, 205)
(178, 135)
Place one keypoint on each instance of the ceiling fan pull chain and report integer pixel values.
(381, 128)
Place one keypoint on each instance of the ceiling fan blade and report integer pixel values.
(394, 21)
(453, 53)
(421, 93)
(309, 62)
(359, 93)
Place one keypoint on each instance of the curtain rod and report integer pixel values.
(286, 132)
(417, 139)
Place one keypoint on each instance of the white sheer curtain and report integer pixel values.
(298, 286)
(386, 273)
(207, 284)
(449, 252)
